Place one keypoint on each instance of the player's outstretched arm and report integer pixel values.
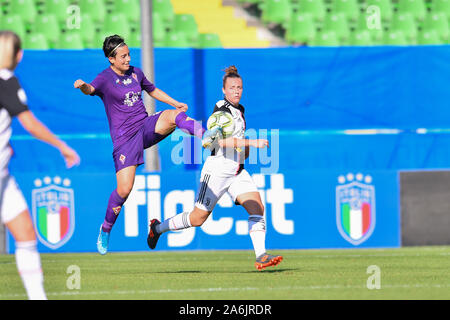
(86, 88)
(164, 97)
(41, 132)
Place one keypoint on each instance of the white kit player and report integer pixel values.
(14, 212)
(222, 172)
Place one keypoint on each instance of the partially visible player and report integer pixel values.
(222, 172)
(132, 130)
(13, 207)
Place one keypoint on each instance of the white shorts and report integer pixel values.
(12, 201)
(213, 186)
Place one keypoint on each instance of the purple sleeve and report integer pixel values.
(146, 84)
(98, 84)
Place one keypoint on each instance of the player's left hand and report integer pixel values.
(71, 157)
(181, 106)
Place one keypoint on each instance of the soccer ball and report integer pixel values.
(223, 120)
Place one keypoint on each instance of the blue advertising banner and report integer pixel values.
(331, 108)
(304, 209)
(404, 87)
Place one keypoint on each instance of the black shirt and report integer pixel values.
(12, 96)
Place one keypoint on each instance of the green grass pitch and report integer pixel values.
(402, 273)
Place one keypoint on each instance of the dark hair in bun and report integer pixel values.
(111, 44)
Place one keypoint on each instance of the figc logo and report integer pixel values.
(355, 207)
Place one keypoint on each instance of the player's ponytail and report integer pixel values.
(230, 72)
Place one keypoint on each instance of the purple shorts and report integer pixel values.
(132, 152)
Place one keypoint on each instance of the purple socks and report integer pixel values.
(191, 126)
(112, 211)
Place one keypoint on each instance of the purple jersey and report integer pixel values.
(122, 97)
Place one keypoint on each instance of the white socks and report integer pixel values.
(256, 229)
(29, 266)
(257, 232)
(177, 222)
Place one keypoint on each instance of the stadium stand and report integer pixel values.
(209, 40)
(217, 23)
(130, 8)
(301, 28)
(348, 8)
(117, 23)
(276, 11)
(71, 40)
(213, 17)
(36, 41)
(25, 9)
(186, 24)
(356, 22)
(13, 22)
(164, 9)
(58, 8)
(47, 25)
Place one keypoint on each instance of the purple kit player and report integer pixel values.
(132, 130)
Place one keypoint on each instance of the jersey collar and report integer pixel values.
(237, 107)
(6, 74)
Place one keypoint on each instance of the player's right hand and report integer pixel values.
(181, 106)
(78, 83)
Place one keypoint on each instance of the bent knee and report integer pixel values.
(124, 191)
(166, 122)
(198, 222)
(197, 218)
(171, 115)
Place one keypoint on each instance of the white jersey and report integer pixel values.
(12, 102)
(5, 135)
(223, 170)
(228, 161)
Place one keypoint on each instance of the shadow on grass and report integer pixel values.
(180, 271)
(227, 271)
(273, 270)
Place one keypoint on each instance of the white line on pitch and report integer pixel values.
(318, 287)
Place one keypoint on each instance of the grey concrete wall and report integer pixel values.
(425, 208)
